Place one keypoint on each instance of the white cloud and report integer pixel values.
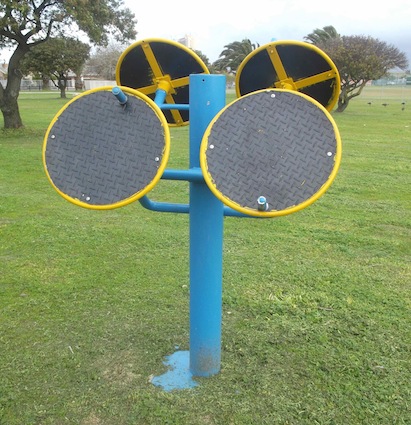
(215, 23)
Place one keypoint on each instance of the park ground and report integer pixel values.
(316, 305)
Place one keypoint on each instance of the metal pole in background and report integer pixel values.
(207, 98)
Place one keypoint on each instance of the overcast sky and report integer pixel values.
(216, 23)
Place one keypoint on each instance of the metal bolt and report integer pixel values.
(262, 204)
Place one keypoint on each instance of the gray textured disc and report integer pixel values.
(273, 143)
(101, 153)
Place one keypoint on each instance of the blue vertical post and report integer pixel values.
(207, 98)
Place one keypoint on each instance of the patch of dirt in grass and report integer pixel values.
(92, 420)
(118, 368)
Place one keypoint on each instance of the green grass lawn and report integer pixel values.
(316, 305)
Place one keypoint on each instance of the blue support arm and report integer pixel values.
(191, 175)
(160, 97)
(147, 203)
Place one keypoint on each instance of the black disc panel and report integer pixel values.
(298, 62)
(138, 70)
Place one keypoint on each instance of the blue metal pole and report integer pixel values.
(160, 97)
(207, 98)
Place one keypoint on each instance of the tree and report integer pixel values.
(55, 59)
(104, 60)
(360, 59)
(321, 35)
(205, 59)
(233, 54)
(26, 24)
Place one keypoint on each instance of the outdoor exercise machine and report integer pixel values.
(271, 152)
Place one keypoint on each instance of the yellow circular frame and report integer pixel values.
(275, 213)
(285, 80)
(161, 80)
(146, 189)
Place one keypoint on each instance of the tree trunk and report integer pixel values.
(11, 113)
(342, 105)
(9, 95)
(349, 91)
(62, 85)
(343, 100)
(79, 83)
(45, 82)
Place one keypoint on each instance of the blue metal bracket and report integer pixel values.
(192, 175)
(121, 97)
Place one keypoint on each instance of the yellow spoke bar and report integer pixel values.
(158, 74)
(305, 82)
(152, 60)
(277, 64)
(315, 79)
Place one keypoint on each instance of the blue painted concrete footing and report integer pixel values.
(179, 376)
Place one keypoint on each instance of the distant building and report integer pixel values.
(187, 41)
